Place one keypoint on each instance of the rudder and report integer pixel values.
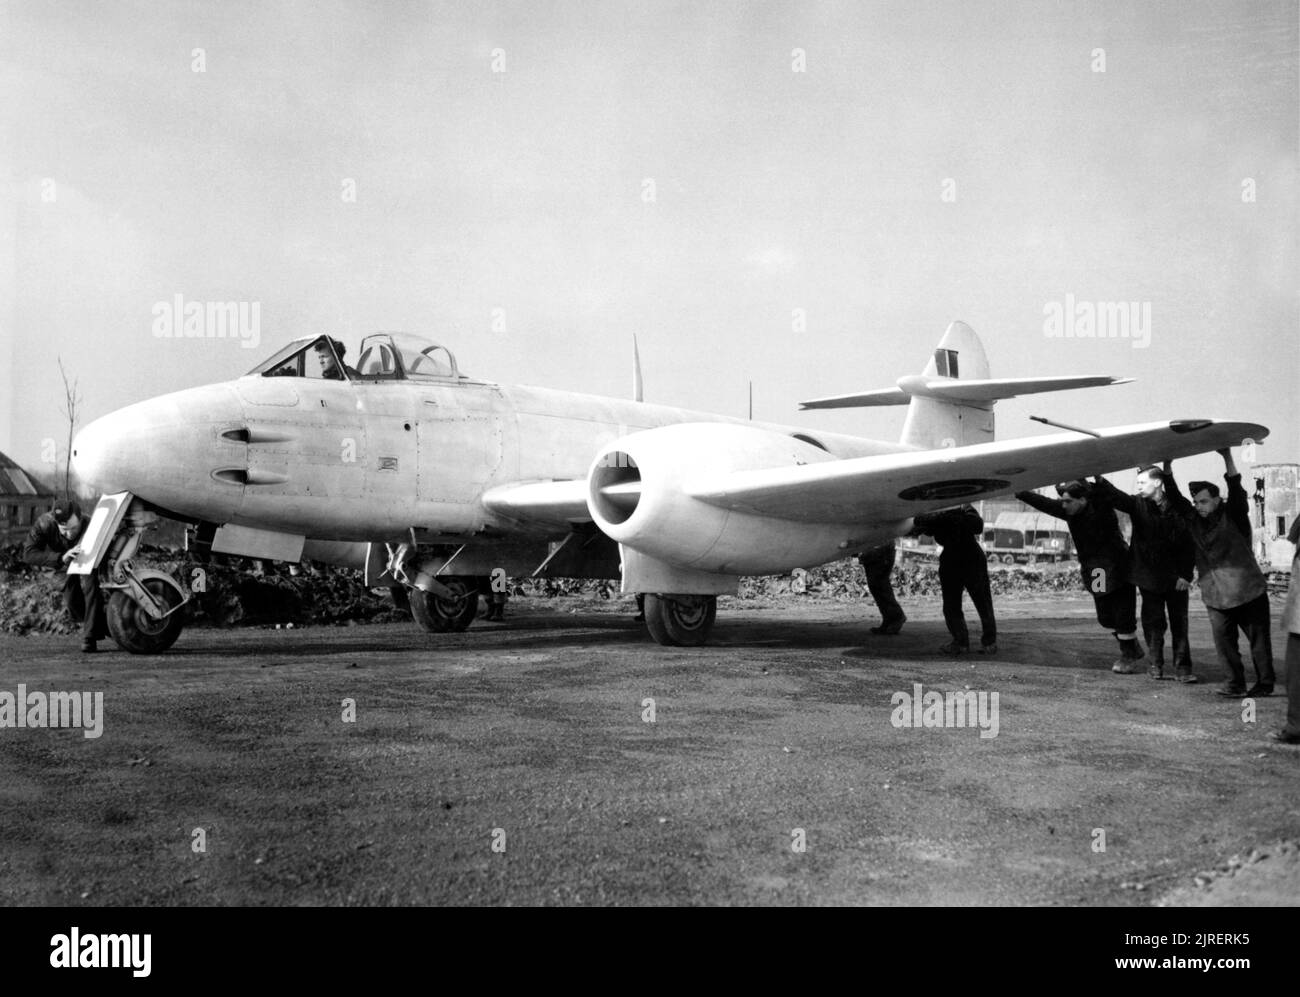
(932, 423)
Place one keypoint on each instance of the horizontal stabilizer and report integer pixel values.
(949, 389)
(993, 389)
(863, 399)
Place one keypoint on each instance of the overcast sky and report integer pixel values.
(912, 163)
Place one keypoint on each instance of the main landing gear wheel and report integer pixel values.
(440, 616)
(680, 620)
(138, 632)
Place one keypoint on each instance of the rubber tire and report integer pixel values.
(439, 617)
(1008, 559)
(993, 559)
(678, 624)
(133, 630)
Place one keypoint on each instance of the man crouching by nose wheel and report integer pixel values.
(52, 543)
(1103, 562)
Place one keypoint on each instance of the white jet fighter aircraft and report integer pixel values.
(437, 482)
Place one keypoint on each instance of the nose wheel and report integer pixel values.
(134, 629)
(680, 620)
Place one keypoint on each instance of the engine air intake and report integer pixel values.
(616, 487)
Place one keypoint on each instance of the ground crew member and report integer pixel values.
(1290, 734)
(496, 606)
(1233, 588)
(961, 567)
(878, 563)
(52, 543)
(1103, 563)
(1161, 562)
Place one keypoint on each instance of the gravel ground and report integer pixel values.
(513, 764)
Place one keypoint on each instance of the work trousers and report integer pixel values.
(1155, 606)
(970, 575)
(882, 591)
(85, 605)
(1117, 610)
(1251, 618)
(1292, 685)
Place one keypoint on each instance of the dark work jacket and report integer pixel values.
(1097, 540)
(45, 546)
(955, 530)
(1162, 550)
(1225, 561)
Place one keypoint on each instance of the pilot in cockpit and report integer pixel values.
(329, 368)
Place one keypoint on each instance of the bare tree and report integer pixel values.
(71, 402)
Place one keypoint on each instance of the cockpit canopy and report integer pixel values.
(384, 356)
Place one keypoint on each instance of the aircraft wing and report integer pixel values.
(896, 486)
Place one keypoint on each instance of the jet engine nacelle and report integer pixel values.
(637, 493)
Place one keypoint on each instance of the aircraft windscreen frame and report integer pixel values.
(303, 358)
(280, 356)
(384, 356)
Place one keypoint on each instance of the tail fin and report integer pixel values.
(938, 422)
(638, 390)
(950, 403)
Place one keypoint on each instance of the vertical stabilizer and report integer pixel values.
(933, 422)
(637, 388)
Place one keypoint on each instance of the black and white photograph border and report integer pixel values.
(529, 454)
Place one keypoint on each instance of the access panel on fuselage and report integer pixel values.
(460, 431)
(388, 412)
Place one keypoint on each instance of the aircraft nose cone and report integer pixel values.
(97, 455)
(162, 450)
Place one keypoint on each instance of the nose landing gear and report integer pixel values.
(144, 618)
(143, 606)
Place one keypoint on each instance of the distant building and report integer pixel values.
(1275, 505)
(21, 500)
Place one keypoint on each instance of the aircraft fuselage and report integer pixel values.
(366, 460)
